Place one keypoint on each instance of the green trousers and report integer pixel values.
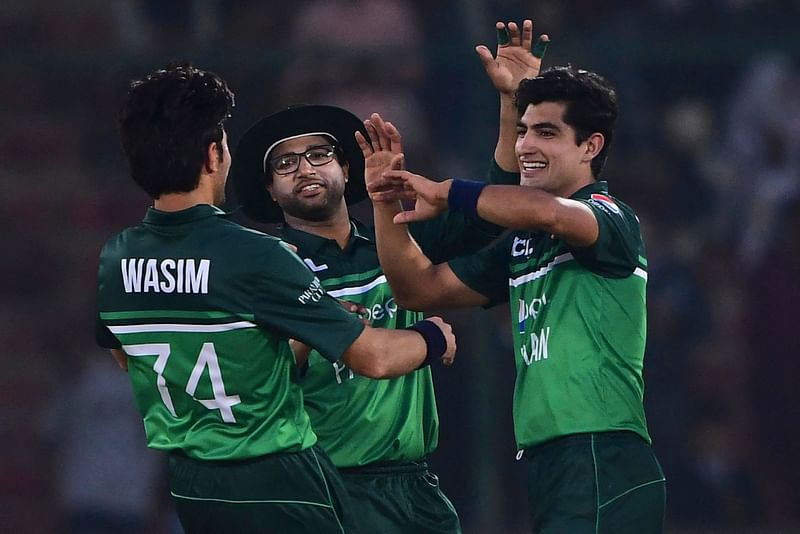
(607, 482)
(402, 498)
(280, 493)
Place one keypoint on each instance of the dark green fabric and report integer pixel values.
(400, 499)
(281, 493)
(455, 234)
(595, 483)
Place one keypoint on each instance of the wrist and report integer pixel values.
(463, 196)
(435, 342)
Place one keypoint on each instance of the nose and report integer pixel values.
(525, 143)
(305, 168)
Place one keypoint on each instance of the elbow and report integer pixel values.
(375, 367)
(409, 301)
(369, 358)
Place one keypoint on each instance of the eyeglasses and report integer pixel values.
(315, 156)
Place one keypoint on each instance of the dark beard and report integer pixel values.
(316, 213)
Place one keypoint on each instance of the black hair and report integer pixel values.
(167, 121)
(591, 103)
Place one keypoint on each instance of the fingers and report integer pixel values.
(395, 139)
(513, 31)
(363, 144)
(383, 135)
(503, 37)
(392, 195)
(387, 180)
(405, 217)
(398, 163)
(527, 34)
(374, 136)
(541, 46)
(486, 58)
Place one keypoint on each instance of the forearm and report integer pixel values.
(527, 208)
(383, 353)
(504, 153)
(406, 267)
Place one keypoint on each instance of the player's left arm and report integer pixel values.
(515, 207)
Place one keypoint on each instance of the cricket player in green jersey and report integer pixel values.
(574, 272)
(302, 166)
(200, 311)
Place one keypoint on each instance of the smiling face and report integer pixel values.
(547, 153)
(311, 193)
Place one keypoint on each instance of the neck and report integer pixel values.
(336, 227)
(202, 194)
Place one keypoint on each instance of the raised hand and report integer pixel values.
(514, 60)
(430, 198)
(384, 149)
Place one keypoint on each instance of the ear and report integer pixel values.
(269, 190)
(213, 158)
(346, 169)
(594, 144)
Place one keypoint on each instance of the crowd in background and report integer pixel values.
(707, 151)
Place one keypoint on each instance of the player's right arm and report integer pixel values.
(387, 353)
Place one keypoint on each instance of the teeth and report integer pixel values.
(310, 187)
(529, 165)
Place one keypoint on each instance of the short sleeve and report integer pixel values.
(619, 245)
(289, 299)
(104, 337)
(486, 271)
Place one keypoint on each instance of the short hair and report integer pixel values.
(167, 121)
(591, 103)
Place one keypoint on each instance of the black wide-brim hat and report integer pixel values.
(247, 170)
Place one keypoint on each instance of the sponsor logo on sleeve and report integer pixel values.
(605, 203)
(313, 293)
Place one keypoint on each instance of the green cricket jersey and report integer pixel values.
(359, 420)
(579, 322)
(204, 309)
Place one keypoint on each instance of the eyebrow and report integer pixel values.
(539, 126)
(284, 154)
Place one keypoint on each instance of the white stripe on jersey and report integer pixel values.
(166, 327)
(516, 282)
(358, 290)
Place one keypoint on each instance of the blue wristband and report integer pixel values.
(464, 195)
(434, 340)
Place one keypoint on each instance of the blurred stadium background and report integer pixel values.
(707, 151)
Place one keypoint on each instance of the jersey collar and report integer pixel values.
(600, 186)
(195, 213)
(310, 243)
